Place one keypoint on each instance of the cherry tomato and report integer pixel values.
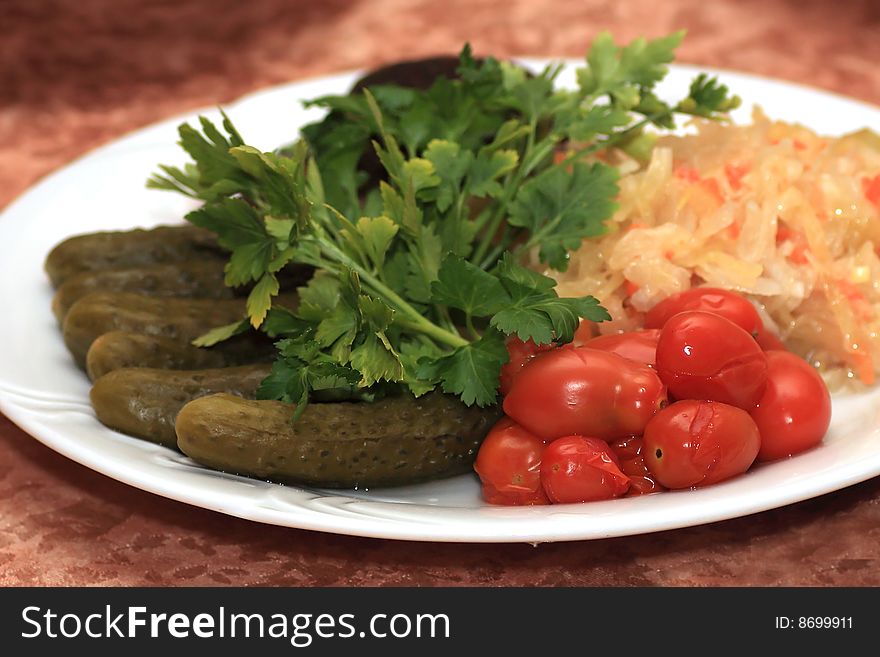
(519, 353)
(627, 448)
(795, 410)
(701, 355)
(509, 465)
(581, 469)
(630, 453)
(640, 346)
(696, 443)
(584, 391)
(729, 305)
(641, 479)
(492, 495)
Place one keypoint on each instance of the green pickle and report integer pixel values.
(198, 279)
(174, 318)
(390, 442)
(131, 248)
(144, 402)
(117, 349)
(178, 319)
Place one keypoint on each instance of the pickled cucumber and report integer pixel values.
(199, 279)
(394, 441)
(132, 248)
(144, 402)
(169, 317)
(117, 349)
(178, 319)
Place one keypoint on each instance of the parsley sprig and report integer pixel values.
(419, 278)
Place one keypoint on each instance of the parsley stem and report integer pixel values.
(610, 141)
(486, 240)
(482, 218)
(414, 318)
(459, 215)
(475, 334)
(538, 237)
(496, 252)
(443, 314)
(512, 183)
(417, 320)
(532, 156)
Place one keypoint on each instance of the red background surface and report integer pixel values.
(76, 75)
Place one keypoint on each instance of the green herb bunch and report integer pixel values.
(419, 280)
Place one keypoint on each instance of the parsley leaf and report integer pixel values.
(620, 72)
(559, 209)
(221, 333)
(708, 96)
(471, 371)
(463, 285)
(376, 360)
(260, 298)
(546, 318)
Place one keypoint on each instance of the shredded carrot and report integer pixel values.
(799, 254)
(863, 366)
(687, 173)
(735, 173)
(800, 247)
(850, 291)
(631, 288)
(711, 185)
(860, 356)
(871, 189)
(857, 299)
(703, 196)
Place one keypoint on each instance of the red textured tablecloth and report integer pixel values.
(76, 75)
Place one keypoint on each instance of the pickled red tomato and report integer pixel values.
(640, 346)
(584, 391)
(509, 465)
(730, 305)
(630, 455)
(581, 469)
(696, 443)
(794, 412)
(701, 355)
(519, 353)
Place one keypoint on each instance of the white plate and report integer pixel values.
(44, 393)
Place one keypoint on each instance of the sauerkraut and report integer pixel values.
(772, 210)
